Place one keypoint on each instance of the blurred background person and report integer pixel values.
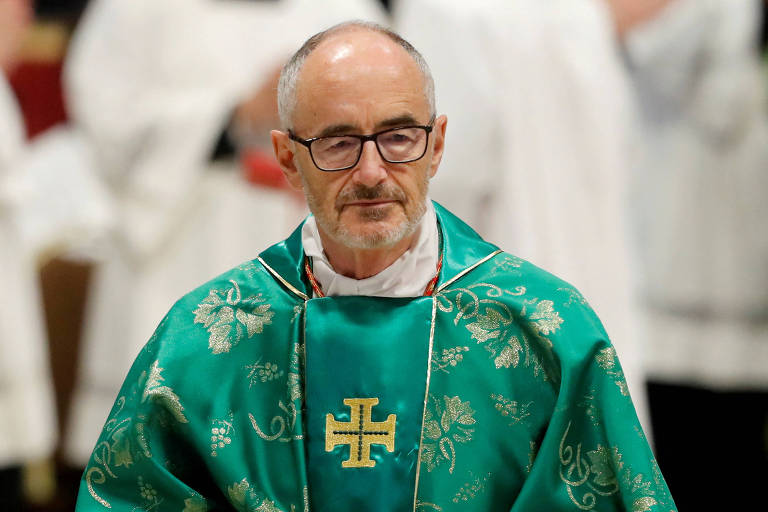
(28, 428)
(158, 88)
(543, 128)
(701, 211)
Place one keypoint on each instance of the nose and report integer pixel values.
(370, 170)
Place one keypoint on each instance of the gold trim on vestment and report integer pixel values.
(466, 271)
(426, 397)
(282, 280)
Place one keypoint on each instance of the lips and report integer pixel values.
(377, 202)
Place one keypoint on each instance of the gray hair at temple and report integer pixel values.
(286, 88)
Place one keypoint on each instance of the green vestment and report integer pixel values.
(499, 393)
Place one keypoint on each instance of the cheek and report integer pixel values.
(325, 190)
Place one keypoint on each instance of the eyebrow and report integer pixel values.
(344, 129)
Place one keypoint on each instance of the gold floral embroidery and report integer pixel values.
(294, 382)
(282, 426)
(643, 504)
(221, 435)
(574, 297)
(155, 390)
(517, 412)
(297, 310)
(493, 324)
(195, 504)
(507, 264)
(473, 488)
(247, 499)
(467, 302)
(593, 476)
(262, 372)
(103, 453)
(544, 319)
(250, 269)
(423, 505)
(609, 361)
(148, 495)
(229, 317)
(449, 358)
(597, 475)
(446, 422)
(116, 447)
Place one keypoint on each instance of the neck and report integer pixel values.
(363, 263)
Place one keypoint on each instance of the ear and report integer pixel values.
(438, 132)
(283, 147)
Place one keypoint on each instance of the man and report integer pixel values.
(383, 357)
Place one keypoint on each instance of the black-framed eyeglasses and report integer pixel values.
(340, 152)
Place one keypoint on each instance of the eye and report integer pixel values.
(336, 144)
(395, 138)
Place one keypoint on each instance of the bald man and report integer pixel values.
(384, 356)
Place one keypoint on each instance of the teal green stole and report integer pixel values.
(366, 380)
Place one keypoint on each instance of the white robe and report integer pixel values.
(702, 205)
(28, 429)
(537, 158)
(152, 84)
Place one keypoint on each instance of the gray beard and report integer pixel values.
(381, 238)
(378, 239)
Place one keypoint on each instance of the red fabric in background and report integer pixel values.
(261, 168)
(38, 87)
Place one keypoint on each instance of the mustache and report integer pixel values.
(358, 191)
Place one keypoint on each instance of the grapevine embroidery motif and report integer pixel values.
(229, 317)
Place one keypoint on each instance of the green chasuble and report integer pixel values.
(499, 393)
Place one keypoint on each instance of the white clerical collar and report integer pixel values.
(408, 276)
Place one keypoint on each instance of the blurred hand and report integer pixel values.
(627, 14)
(15, 18)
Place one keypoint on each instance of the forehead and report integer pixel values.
(358, 78)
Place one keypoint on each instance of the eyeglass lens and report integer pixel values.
(400, 145)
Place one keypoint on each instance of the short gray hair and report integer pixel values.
(286, 88)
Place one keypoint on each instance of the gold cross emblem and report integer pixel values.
(360, 433)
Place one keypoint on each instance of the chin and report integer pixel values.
(368, 238)
(375, 235)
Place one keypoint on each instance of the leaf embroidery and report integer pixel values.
(246, 498)
(154, 389)
(600, 474)
(195, 504)
(545, 320)
(446, 422)
(609, 361)
(493, 325)
(471, 489)
(229, 318)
